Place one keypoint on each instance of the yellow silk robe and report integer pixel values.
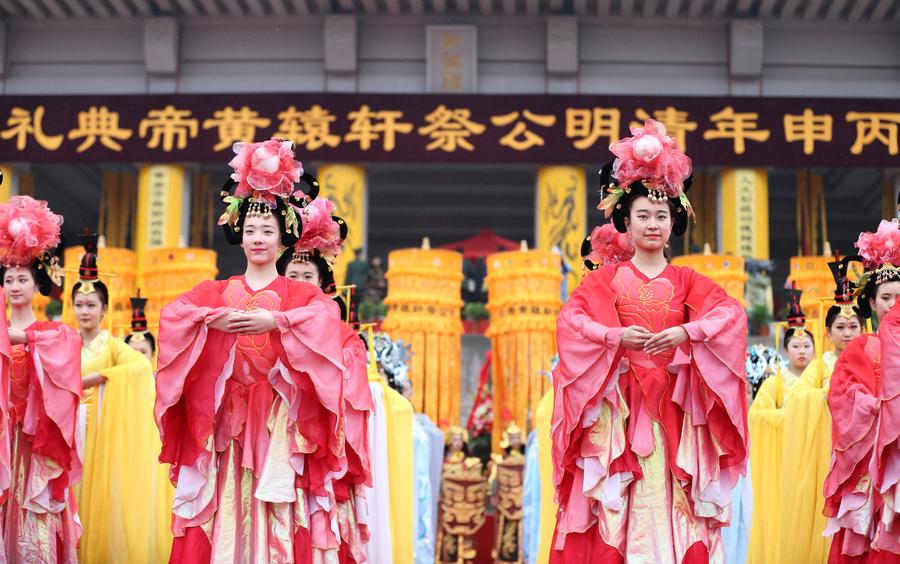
(805, 462)
(124, 489)
(543, 418)
(766, 419)
(399, 414)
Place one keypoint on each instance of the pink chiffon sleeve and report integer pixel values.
(51, 412)
(885, 466)
(585, 383)
(711, 390)
(5, 363)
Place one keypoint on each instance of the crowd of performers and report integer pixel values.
(261, 426)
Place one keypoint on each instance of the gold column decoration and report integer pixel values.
(812, 275)
(118, 270)
(704, 197)
(423, 309)
(345, 185)
(745, 213)
(160, 201)
(524, 301)
(562, 215)
(170, 272)
(118, 193)
(809, 270)
(725, 270)
(9, 180)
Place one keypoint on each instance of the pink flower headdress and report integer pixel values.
(607, 246)
(29, 232)
(652, 158)
(881, 252)
(265, 173)
(322, 232)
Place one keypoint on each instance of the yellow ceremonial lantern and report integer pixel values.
(423, 310)
(725, 270)
(524, 301)
(118, 269)
(170, 272)
(812, 275)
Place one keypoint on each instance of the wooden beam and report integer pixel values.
(279, 7)
(509, 6)
(300, 7)
(232, 8)
(393, 6)
(417, 7)
(626, 8)
(556, 6)
(55, 8)
(99, 8)
(532, 7)
(210, 8)
(673, 8)
(650, 7)
(486, 7)
(121, 9)
(462, 6)
(834, 11)
(881, 10)
(695, 8)
(743, 7)
(188, 7)
(164, 5)
(789, 8)
(812, 9)
(765, 8)
(719, 8)
(256, 7)
(76, 8)
(858, 9)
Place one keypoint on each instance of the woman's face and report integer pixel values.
(89, 310)
(649, 224)
(800, 351)
(885, 297)
(303, 271)
(842, 331)
(261, 240)
(143, 347)
(18, 282)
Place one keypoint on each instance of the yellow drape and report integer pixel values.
(161, 191)
(399, 422)
(745, 213)
(543, 417)
(812, 275)
(125, 496)
(524, 301)
(423, 304)
(766, 430)
(725, 270)
(345, 185)
(806, 458)
(170, 272)
(562, 215)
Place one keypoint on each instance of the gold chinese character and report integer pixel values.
(739, 127)
(22, 124)
(520, 138)
(450, 40)
(235, 125)
(311, 128)
(808, 128)
(451, 82)
(872, 126)
(169, 126)
(449, 129)
(675, 121)
(592, 124)
(452, 61)
(99, 124)
(364, 131)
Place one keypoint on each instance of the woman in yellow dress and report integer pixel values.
(766, 418)
(118, 500)
(807, 433)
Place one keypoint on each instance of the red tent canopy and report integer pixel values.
(485, 243)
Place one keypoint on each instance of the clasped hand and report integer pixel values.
(256, 322)
(637, 338)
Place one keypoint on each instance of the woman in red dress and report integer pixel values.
(862, 489)
(39, 514)
(649, 422)
(251, 387)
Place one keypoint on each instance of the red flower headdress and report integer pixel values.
(29, 231)
(321, 232)
(264, 172)
(881, 252)
(653, 158)
(608, 246)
